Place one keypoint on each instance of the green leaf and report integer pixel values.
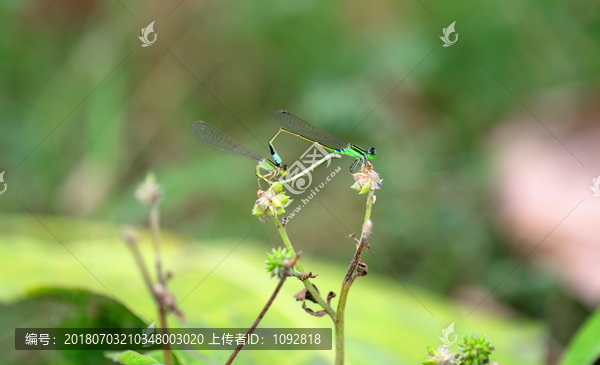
(584, 348)
(130, 358)
(158, 355)
(66, 308)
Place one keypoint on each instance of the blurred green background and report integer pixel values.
(87, 112)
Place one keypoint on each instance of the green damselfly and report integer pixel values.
(303, 129)
(218, 140)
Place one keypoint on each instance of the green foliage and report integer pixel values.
(388, 324)
(130, 358)
(584, 348)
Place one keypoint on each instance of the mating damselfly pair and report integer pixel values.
(293, 125)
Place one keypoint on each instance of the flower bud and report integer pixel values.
(149, 192)
(271, 201)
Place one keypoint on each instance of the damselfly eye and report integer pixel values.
(371, 152)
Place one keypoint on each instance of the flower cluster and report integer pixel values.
(277, 260)
(474, 350)
(366, 180)
(441, 356)
(271, 201)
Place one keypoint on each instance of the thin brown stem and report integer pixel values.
(135, 251)
(154, 221)
(258, 319)
(162, 318)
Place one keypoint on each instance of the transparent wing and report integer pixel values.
(221, 142)
(299, 126)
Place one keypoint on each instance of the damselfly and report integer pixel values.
(218, 140)
(303, 129)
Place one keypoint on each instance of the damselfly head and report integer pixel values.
(371, 153)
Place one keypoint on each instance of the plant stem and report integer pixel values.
(347, 284)
(154, 221)
(309, 286)
(258, 319)
(162, 318)
(141, 264)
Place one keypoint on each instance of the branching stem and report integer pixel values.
(309, 286)
(347, 284)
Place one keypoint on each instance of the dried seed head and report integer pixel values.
(366, 180)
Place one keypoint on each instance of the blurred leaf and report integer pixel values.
(584, 348)
(224, 285)
(130, 358)
(178, 357)
(52, 307)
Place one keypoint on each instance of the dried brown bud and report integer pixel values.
(362, 269)
(129, 235)
(301, 295)
(307, 275)
(366, 180)
(320, 313)
(330, 296)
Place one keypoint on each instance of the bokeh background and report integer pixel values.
(487, 150)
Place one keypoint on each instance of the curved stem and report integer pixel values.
(347, 284)
(309, 286)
